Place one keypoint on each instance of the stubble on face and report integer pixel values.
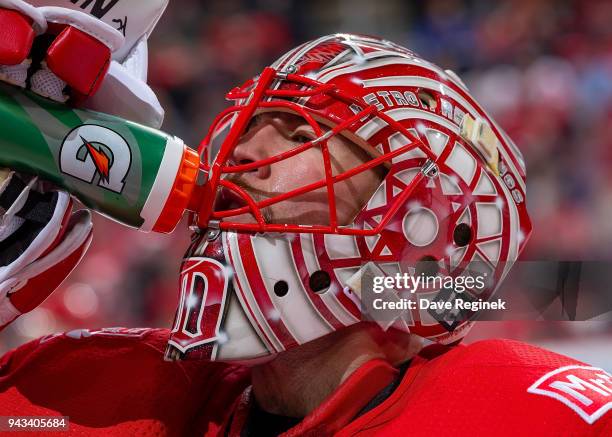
(257, 195)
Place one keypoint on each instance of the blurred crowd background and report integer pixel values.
(543, 68)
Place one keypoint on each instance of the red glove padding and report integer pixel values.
(81, 52)
(79, 56)
(16, 37)
(79, 59)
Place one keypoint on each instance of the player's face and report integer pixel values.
(273, 133)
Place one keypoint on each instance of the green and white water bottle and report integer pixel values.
(136, 175)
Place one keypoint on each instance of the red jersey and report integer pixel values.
(115, 382)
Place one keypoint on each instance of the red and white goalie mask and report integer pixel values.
(350, 157)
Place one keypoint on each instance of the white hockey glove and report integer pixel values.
(94, 55)
(41, 241)
(91, 53)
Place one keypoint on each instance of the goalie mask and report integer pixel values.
(451, 197)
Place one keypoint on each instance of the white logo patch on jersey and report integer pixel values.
(586, 390)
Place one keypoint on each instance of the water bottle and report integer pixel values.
(133, 174)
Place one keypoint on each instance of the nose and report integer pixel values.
(253, 147)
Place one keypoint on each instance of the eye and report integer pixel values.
(302, 134)
(300, 138)
(254, 122)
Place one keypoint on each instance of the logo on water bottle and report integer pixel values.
(96, 154)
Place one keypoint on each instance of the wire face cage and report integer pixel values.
(276, 91)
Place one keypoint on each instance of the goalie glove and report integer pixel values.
(41, 241)
(93, 55)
